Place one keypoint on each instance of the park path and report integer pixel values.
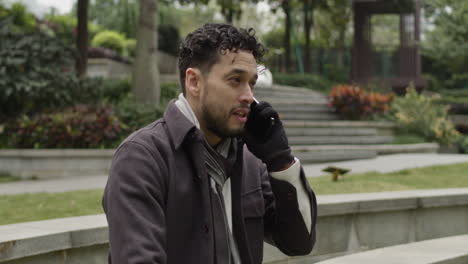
(386, 163)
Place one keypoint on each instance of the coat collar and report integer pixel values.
(179, 126)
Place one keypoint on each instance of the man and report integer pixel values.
(214, 178)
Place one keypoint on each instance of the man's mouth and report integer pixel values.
(241, 114)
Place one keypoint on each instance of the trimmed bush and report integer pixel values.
(78, 127)
(110, 39)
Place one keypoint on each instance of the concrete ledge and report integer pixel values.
(449, 250)
(352, 223)
(21, 241)
(49, 163)
(347, 224)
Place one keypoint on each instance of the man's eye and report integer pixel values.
(236, 80)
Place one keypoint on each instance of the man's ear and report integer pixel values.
(193, 81)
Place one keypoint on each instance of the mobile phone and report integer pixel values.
(262, 128)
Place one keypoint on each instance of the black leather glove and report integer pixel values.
(265, 137)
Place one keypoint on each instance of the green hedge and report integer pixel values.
(112, 116)
(110, 39)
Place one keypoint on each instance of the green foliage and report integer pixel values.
(115, 90)
(331, 22)
(453, 97)
(310, 81)
(110, 39)
(130, 46)
(131, 113)
(136, 115)
(420, 115)
(77, 127)
(169, 91)
(408, 139)
(444, 50)
(168, 39)
(64, 27)
(115, 15)
(36, 74)
(463, 144)
(21, 19)
(273, 39)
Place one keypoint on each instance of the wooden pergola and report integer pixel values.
(408, 68)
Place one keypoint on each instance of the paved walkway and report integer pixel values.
(389, 163)
(54, 185)
(386, 163)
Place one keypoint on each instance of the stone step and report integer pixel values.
(440, 250)
(326, 153)
(459, 119)
(339, 140)
(342, 124)
(295, 131)
(288, 95)
(302, 108)
(308, 116)
(383, 128)
(293, 101)
(293, 89)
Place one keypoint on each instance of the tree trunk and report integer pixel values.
(287, 34)
(308, 20)
(230, 15)
(146, 73)
(82, 38)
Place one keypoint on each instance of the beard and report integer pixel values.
(217, 119)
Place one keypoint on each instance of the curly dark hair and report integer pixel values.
(202, 47)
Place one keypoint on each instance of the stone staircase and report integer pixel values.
(316, 134)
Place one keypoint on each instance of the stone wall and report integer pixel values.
(49, 163)
(346, 224)
(107, 68)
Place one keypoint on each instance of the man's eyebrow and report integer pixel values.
(240, 71)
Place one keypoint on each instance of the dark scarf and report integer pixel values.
(217, 163)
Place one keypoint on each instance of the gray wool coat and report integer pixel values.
(157, 201)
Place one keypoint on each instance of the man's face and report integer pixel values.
(227, 94)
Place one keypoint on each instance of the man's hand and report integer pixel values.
(266, 139)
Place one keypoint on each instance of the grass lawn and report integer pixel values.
(41, 206)
(447, 176)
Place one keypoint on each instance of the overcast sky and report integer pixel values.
(39, 7)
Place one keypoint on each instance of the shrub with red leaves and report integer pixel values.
(353, 102)
(78, 127)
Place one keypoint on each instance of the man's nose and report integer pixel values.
(247, 95)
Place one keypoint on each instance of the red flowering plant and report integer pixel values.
(353, 102)
(81, 126)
